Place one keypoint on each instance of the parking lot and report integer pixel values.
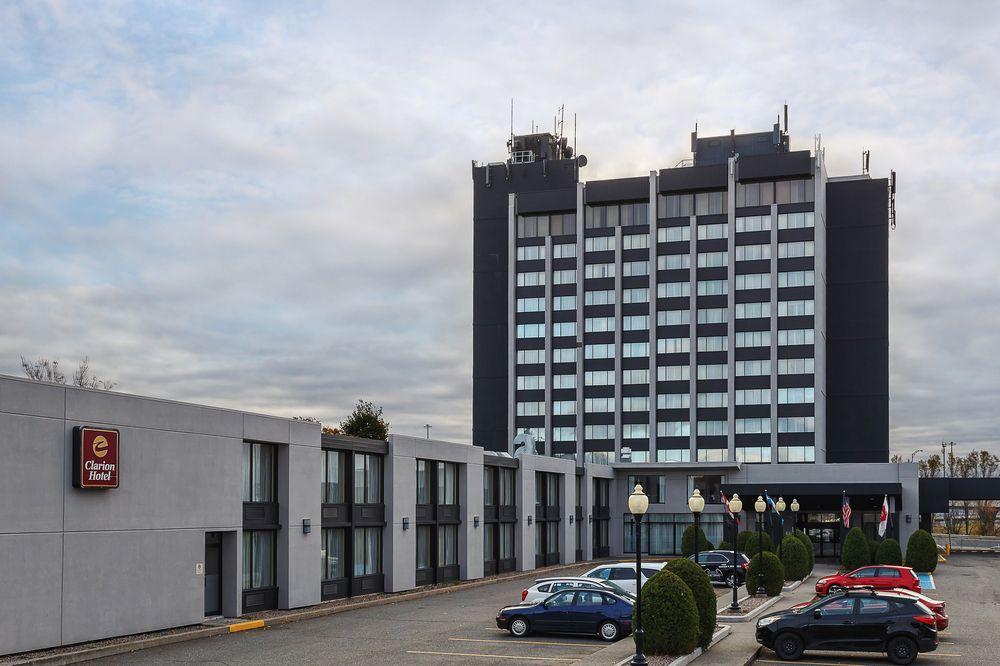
(970, 585)
(458, 627)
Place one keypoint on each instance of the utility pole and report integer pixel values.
(427, 429)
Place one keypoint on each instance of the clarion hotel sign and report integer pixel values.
(95, 457)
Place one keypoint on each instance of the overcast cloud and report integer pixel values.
(270, 209)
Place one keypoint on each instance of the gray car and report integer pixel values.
(543, 587)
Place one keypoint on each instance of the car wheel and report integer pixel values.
(901, 650)
(788, 646)
(519, 627)
(608, 631)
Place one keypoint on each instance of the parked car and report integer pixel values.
(718, 564)
(572, 612)
(853, 621)
(881, 577)
(622, 574)
(543, 587)
(937, 607)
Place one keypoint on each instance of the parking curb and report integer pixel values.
(88, 654)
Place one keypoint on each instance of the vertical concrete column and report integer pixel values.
(618, 342)
(618, 499)
(299, 575)
(470, 535)
(819, 296)
(731, 306)
(580, 220)
(774, 332)
(652, 314)
(586, 501)
(399, 554)
(567, 504)
(511, 309)
(547, 428)
(232, 573)
(524, 541)
(693, 338)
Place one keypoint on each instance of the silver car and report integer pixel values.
(543, 587)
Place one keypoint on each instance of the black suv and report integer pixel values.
(854, 621)
(718, 564)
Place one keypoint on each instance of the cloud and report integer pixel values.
(269, 207)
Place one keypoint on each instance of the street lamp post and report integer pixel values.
(760, 506)
(795, 514)
(735, 506)
(696, 503)
(638, 502)
(780, 507)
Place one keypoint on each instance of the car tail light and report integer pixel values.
(744, 565)
(524, 593)
(929, 620)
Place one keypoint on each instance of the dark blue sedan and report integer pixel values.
(570, 612)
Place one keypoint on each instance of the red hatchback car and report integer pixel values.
(881, 577)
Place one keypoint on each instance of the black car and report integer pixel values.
(570, 612)
(718, 564)
(853, 621)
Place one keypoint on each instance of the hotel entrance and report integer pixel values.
(823, 529)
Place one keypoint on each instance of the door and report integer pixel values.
(865, 576)
(213, 573)
(832, 624)
(556, 613)
(588, 612)
(872, 621)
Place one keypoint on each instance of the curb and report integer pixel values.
(752, 614)
(87, 654)
(686, 659)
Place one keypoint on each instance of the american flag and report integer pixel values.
(845, 510)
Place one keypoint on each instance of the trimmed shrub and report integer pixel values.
(669, 615)
(921, 552)
(704, 596)
(872, 550)
(794, 558)
(807, 542)
(774, 573)
(687, 541)
(854, 551)
(746, 542)
(725, 545)
(889, 553)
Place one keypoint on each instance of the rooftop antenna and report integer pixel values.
(575, 147)
(892, 199)
(865, 161)
(512, 123)
(786, 117)
(427, 429)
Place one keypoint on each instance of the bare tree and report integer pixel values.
(82, 377)
(45, 370)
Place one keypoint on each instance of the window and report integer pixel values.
(635, 295)
(673, 317)
(673, 345)
(258, 559)
(424, 535)
(673, 455)
(794, 396)
(753, 281)
(635, 431)
(753, 454)
(563, 225)
(530, 382)
(562, 329)
(447, 483)
(423, 482)
(604, 297)
(530, 252)
(796, 308)
(754, 194)
(563, 407)
(713, 287)
(332, 553)
(665, 262)
(564, 355)
(639, 403)
(563, 381)
(655, 487)
(258, 472)
(671, 373)
(713, 315)
(506, 541)
(635, 214)
(531, 409)
(635, 322)
(599, 271)
(532, 226)
(753, 339)
(598, 378)
(673, 401)
(599, 351)
(635, 376)
(506, 487)
(673, 429)
(712, 428)
(567, 276)
(560, 303)
(710, 485)
(753, 368)
(634, 268)
(796, 279)
(635, 241)
(796, 336)
(489, 487)
(564, 251)
(792, 454)
(599, 243)
(874, 606)
(796, 424)
(752, 252)
(715, 371)
(673, 234)
(793, 191)
(367, 551)
(675, 205)
(710, 203)
(713, 455)
(532, 279)
(598, 324)
(796, 249)
(713, 343)
(712, 259)
(673, 289)
(564, 434)
(530, 331)
(796, 366)
(796, 220)
(635, 349)
(753, 310)
(713, 399)
(367, 478)
(447, 545)
(593, 405)
(753, 223)
(753, 396)
(712, 231)
(598, 432)
(531, 305)
(599, 217)
(333, 467)
(530, 356)
(753, 426)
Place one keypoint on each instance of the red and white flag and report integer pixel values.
(883, 519)
(725, 500)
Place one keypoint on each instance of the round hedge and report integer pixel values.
(794, 558)
(889, 553)
(669, 615)
(704, 595)
(921, 552)
(807, 542)
(774, 573)
(687, 541)
(725, 545)
(854, 551)
(872, 551)
(746, 542)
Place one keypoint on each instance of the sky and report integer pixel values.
(267, 206)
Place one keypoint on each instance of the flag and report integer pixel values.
(883, 519)
(774, 508)
(845, 510)
(725, 501)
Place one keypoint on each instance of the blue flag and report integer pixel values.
(770, 502)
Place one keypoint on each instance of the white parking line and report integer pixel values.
(517, 641)
(489, 656)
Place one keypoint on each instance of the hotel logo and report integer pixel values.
(95, 457)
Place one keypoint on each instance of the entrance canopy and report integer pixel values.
(819, 496)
